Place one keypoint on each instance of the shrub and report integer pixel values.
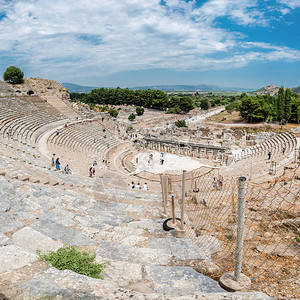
(139, 110)
(129, 128)
(69, 258)
(113, 113)
(174, 110)
(131, 117)
(13, 75)
(180, 123)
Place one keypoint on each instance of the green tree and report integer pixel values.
(204, 104)
(131, 117)
(287, 104)
(113, 113)
(139, 110)
(13, 75)
(280, 103)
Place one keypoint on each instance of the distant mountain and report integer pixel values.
(270, 89)
(75, 88)
(296, 89)
(192, 88)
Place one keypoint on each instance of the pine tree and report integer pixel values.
(280, 103)
(287, 104)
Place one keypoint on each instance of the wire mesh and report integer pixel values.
(272, 224)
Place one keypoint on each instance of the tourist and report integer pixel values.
(283, 150)
(269, 155)
(131, 185)
(138, 187)
(137, 160)
(53, 159)
(220, 182)
(91, 172)
(215, 182)
(57, 132)
(57, 164)
(145, 187)
(95, 163)
(68, 170)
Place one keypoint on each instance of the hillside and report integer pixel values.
(270, 89)
(296, 89)
(35, 86)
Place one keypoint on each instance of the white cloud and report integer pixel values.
(290, 3)
(102, 37)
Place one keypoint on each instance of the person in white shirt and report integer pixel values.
(145, 187)
(138, 187)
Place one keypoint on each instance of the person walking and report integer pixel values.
(269, 155)
(57, 164)
(53, 159)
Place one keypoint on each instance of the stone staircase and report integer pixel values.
(61, 106)
(142, 260)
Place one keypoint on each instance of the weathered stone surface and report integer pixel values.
(115, 251)
(151, 226)
(32, 240)
(13, 257)
(4, 240)
(121, 272)
(7, 223)
(180, 281)
(53, 282)
(63, 233)
(181, 249)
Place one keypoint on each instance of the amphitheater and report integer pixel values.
(42, 208)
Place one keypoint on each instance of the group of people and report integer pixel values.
(56, 163)
(137, 186)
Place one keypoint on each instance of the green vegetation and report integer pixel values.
(69, 258)
(284, 108)
(113, 113)
(139, 110)
(131, 117)
(141, 98)
(129, 128)
(13, 75)
(180, 123)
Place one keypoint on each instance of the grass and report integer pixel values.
(69, 258)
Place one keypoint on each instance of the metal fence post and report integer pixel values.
(163, 192)
(240, 228)
(183, 199)
(237, 281)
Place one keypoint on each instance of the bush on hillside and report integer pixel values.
(113, 113)
(139, 110)
(131, 117)
(180, 123)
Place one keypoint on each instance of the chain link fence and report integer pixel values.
(271, 225)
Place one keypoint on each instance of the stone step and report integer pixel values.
(114, 251)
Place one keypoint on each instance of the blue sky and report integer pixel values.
(237, 43)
